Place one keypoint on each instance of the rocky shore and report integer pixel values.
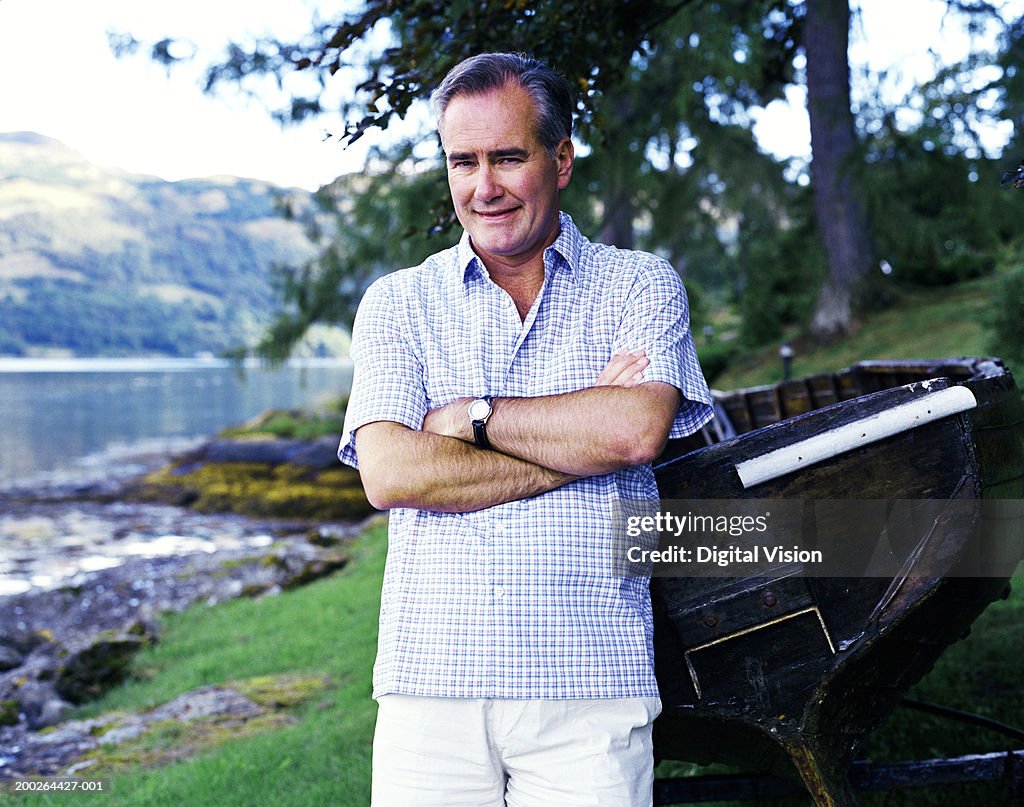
(110, 557)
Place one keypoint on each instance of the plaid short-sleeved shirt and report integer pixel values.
(518, 600)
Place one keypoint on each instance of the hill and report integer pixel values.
(921, 323)
(97, 261)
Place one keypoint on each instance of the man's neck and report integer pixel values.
(521, 280)
(522, 288)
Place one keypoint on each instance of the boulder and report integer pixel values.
(103, 663)
(39, 702)
(10, 657)
(316, 454)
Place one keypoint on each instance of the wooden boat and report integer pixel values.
(786, 670)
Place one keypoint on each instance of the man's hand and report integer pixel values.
(624, 370)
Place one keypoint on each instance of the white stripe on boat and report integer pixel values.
(799, 455)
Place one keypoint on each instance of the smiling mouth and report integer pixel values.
(495, 214)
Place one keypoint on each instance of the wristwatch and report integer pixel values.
(479, 411)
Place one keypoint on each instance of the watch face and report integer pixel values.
(479, 409)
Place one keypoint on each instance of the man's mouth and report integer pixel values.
(496, 215)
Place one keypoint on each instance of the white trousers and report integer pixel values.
(462, 752)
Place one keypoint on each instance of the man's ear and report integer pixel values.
(565, 154)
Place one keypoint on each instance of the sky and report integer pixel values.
(59, 78)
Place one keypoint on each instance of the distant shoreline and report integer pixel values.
(83, 417)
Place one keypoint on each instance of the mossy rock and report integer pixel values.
(181, 733)
(282, 691)
(263, 489)
(9, 710)
(296, 423)
(104, 663)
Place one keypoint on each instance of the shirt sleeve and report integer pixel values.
(657, 319)
(387, 381)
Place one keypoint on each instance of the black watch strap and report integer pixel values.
(480, 427)
(480, 434)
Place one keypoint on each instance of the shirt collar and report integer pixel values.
(568, 246)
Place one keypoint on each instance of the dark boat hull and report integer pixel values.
(787, 670)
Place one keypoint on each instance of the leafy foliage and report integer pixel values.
(1007, 336)
(939, 218)
(428, 37)
(783, 272)
(362, 229)
(665, 93)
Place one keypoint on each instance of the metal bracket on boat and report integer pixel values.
(688, 655)
(803, 453)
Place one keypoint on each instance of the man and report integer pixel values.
(509, 395)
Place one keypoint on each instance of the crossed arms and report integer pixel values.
(538, 443)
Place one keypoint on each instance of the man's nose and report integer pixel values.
(487, 185)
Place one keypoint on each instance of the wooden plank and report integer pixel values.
(741, 673)
(1006, 766)
(763, 405)
(795, 398)
(736, 606)
(848, 386)
(735, 405)
(710, 473)
(823, 389)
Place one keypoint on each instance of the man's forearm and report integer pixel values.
(592, 431)
(401, 467)
(584, 433)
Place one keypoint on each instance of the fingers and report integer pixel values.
(624, 370)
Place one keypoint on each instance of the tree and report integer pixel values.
(838, 201)
(646, 50)
(665, 89)
(362, 228)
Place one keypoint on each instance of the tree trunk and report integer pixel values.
(620, 171)
(617, 221)
(837, 198)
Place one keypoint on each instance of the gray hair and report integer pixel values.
(491, 71)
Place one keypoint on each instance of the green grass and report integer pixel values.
(923, 324)
(294, 424)
(329, 627)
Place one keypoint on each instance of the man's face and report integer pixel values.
(504, 183)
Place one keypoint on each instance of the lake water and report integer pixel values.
(57, 416)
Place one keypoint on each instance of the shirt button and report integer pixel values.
(499, 528)
(499, 591)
